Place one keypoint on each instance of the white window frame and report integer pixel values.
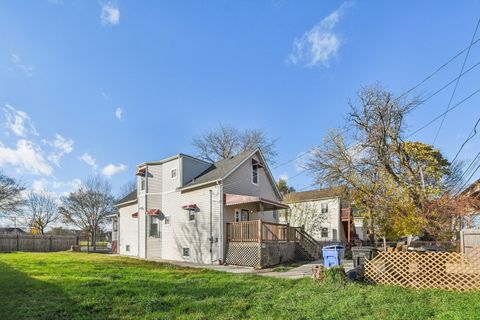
(321, 232)
(172, 171)
(144, 180)
(159, 233)
(326, 207)
(188, 252)
(258, 176)
(191, 213)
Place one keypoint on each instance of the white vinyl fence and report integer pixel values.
(36, 243)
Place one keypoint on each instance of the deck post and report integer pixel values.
(288, 232)
(260, 231)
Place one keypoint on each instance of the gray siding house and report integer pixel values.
(186, 209)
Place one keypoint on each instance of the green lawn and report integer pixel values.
(82, 286)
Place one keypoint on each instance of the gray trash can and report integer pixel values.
(359, 254)
(333, 255)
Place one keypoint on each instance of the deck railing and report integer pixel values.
(259, 231)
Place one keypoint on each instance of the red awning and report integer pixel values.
(153, 212)
(135, 215)
(190, 207)
(141, 171)
(234, 199)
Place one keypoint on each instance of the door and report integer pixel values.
(242, 215)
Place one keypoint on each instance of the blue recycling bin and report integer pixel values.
(333, 255)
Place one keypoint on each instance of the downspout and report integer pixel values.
(145, 211)
(222, 227)
(211, 228)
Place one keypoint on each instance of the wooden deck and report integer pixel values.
(272, 242)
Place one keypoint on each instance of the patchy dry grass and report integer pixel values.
(82, 286)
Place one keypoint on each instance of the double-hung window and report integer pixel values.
(154, 226)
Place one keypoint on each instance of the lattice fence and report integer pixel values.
(441, 270)
(243, 253)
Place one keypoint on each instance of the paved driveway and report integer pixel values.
(304, 270)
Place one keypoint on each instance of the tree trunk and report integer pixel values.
(94, 242)
(371, 228)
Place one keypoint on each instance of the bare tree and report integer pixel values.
(89, 205)
(390, 179)
(11, 199)
(41, 211)
(227, 141)
(127, 188)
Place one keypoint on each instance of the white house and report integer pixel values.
(186, 209)
(324, 213)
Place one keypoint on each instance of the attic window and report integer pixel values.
(255, 167)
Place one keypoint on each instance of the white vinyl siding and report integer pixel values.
(128, 230)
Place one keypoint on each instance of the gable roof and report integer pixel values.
(219, 169)
(314, 194)
(11, 230)
(223, 168)
(132, 196)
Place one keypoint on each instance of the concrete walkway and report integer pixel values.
(304, 270)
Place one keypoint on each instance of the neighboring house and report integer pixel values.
(11, 231)
(324, 213)
(186, 209)
(472, 221)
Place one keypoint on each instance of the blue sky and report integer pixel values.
(97, 87)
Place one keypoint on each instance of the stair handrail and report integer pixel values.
(309, 241)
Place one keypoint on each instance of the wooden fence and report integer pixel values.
(36, 243)
(469, 241)
(440, 270)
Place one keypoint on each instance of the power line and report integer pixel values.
(470, 136)
(447, 111)
(458, 80)
(438, 69)
(291, 160)
(446, 85)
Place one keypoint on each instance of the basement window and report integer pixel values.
(186, 252)
(127, 248)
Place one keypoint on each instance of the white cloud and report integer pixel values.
(38, 186)
(110, 14)
(119, 113)
(17, 62)
(18, 121)
(318, 45)
(111, 169)
(27, 157)
(89, 160)
(62, 146)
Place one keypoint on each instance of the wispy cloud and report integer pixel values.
(18, 121)
(112, 169)
(119, 113)
(26, 157)
(61, 147)
(18, 63)
(319, 45)
(110, 15)
(89, 160)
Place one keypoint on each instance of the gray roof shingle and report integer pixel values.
(129, 197)
(219, 169)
